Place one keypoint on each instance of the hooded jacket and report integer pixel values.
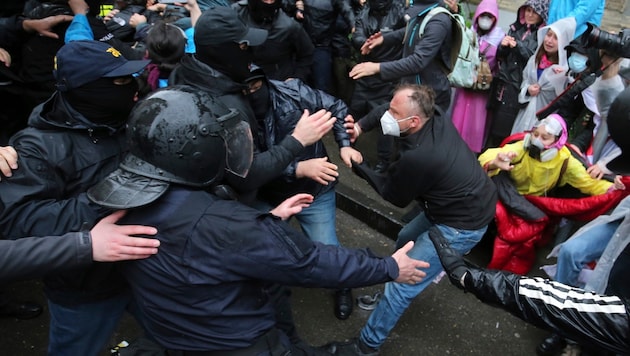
(513, 60)
(62, 154)
(267, 164)
(287, 52)
(288, 100)
(552, 80)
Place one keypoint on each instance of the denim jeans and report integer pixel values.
(582, 249)
(84, 329)
(318, 220)
(398, 296)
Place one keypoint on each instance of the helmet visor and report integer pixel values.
(239, 150)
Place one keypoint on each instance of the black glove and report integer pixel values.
(452, 261)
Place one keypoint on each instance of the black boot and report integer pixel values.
(20, 310)
(552, 345)
(344, 303)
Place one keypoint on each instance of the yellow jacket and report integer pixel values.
(533, 177)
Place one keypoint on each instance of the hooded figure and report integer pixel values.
(544, 76)
(469, 112)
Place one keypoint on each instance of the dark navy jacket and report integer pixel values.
(206, 288)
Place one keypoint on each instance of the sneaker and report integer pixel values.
(551, 346)
(352, 347)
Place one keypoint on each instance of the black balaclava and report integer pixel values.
(260, 100)
(103, 102)
(228, 59)
(262, 12)
(380, 7)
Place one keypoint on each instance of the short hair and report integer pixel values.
(422, 99)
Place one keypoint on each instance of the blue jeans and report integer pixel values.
(398, 296)
(582, 249)
(322, 69)
(84, 329)
(319, 219)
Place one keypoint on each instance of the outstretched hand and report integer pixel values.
(317, 169)
(372, 41)
(111, 242)
(312, 127)
(349, 155)
(292, 205)
(8, 161)
(408, 268)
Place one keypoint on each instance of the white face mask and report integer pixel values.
(389, 124)
(485, 22)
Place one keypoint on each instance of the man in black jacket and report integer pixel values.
(279, 105)
(73, 140)
(425, 60)
(443, 175)
(288, 51)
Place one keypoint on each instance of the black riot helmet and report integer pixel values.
(176, 135)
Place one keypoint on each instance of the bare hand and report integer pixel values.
(452, 5)
(365, 69)
(110, 15)
(349, 154)
(372, 41)
(137, 19)
(595, 171)
(311, 128)
(317, 169)
(194, 10)
(5, 57)
(618, 184)
(8, 160)
(292, 205)
(111, 242)
(508, 41)
(352, 129)
(408, 271)
(533, 89)
(44, 26)
(78, 6)
(503, 161)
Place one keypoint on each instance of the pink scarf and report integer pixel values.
(544, 62)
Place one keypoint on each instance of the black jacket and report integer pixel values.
(61, 154)
(442, 174)
(369, 23)
(267, 164)
(287, 52)
(36, 256)
(320, 17)
(425, 60)
(288, 100)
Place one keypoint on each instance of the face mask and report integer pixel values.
(485, 22)
(535, 148)
(390, 125)
(259, 101)
(577, 62)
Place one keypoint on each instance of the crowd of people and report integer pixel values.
(183, 136)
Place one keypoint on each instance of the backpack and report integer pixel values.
(484, 73)
(465, 50)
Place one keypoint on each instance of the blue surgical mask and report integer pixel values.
(389, 124)
(577, 62)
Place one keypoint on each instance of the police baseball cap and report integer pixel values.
(220, 25)
(80, 62)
